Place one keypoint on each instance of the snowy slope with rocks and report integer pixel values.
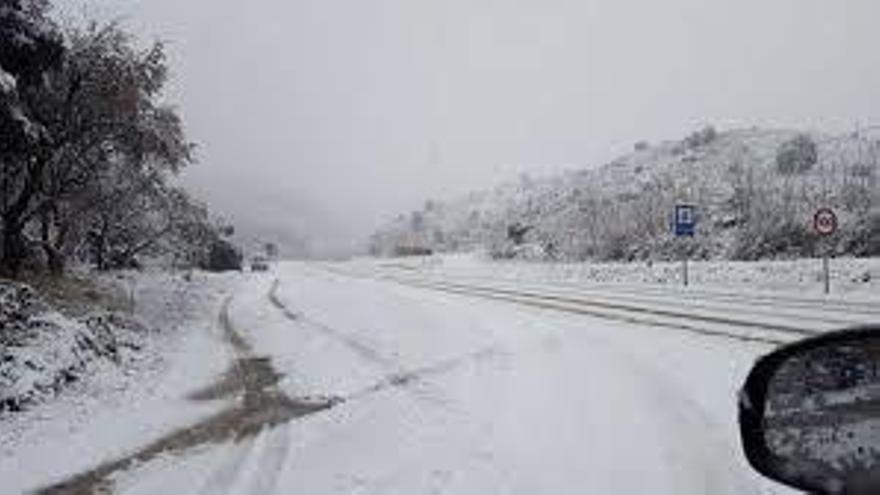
(45, 347)
(42, 350)
(755, 200)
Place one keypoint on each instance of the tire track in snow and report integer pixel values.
(253, 467)
(366, 352)
(626, 307)
(625, 313)
(273, 459)
(394, 379)
(582, 309)
(229, 469)
(826, 304)
(702, 303)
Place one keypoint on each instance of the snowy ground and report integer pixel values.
(450, 376)
(117, 407)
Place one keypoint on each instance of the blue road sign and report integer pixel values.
(685, 220)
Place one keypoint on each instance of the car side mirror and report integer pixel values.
(809, 413)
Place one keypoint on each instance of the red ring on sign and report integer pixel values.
(825, 221)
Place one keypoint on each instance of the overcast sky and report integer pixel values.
(328, 117)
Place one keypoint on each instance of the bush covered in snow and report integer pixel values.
(42, 350)
(797, 155)
(702, 137)
(223, 256)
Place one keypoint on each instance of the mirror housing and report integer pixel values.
(809, 413)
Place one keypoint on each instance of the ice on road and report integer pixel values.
(446, 393)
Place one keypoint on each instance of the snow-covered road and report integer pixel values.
(381, 380)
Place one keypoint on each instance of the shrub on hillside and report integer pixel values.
(223, 256)
(784, 239)
(797, 155)
(402, 251)
(701, 138)
(618, 247)
(866, 238)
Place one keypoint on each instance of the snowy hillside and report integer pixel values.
(756, 191)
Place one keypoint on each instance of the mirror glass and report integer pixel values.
(822, 415)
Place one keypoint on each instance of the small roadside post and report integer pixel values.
(825, 224)
(684, 223)
(131, 296)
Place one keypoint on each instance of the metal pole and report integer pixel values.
(826, 273)
(684, 266)
(131, 300)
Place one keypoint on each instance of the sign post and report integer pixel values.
(825, 224)
(826, 273)
(684, 269)
(684, 224)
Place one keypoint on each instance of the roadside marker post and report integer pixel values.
(684, 223)
(684, 269)
(131, 295)
(826, 275)
(825, 224)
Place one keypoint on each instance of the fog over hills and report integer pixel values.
(347, 112)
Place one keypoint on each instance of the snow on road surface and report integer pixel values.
(405, 377)
(362, 377)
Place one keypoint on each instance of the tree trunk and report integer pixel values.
(14, 249)
(54, 260)
(58, 248)
(99, 246)
(99, 251)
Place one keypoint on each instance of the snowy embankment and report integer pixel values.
(851, 278)
(42, 351)
(82, 388)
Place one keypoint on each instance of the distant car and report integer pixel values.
(259, 264)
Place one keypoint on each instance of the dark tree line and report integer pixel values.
(87, 149)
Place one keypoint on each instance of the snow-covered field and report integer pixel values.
(449, 375)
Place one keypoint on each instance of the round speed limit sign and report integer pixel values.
(825, 221)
